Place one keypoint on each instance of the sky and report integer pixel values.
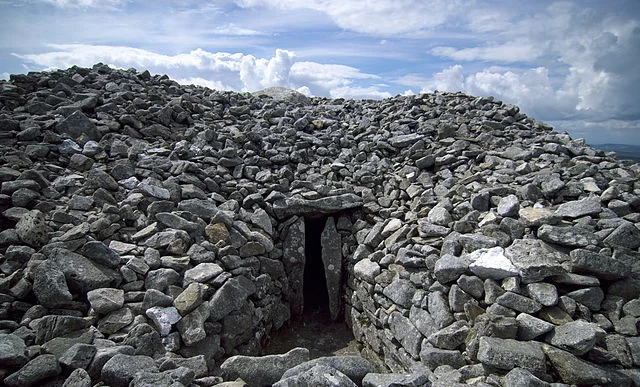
(572, 64)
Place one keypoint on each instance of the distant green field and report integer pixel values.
(624, 152)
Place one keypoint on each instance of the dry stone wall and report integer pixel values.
(152, 230)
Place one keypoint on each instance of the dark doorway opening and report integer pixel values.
(314, 329)
(316, 298)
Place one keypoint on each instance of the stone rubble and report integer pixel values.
(153, 234)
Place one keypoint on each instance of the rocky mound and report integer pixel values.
(155, 234)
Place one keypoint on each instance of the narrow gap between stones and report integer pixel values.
(314, 330)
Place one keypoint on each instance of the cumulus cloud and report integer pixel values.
(220, 70)
(85, 3)
(381, 17)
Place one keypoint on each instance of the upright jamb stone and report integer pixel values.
(332, 259)
(294, 259)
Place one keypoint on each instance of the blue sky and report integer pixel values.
(573, 64)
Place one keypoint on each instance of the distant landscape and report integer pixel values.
(625, 152)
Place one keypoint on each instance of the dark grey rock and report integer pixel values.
(530, 327)
(567, 236)
(32, 229)
(395, 380)
(519, 302)
(78, 356)
(319, 375)
(12, 350)
(401, 292)
(449, 268)
(265, 370)
(578, 208)
(573, 370)
(602, 266)
(507, 354)
(78, 378)
(435, 357)
(354, 367)
(77, 125)
(534, 259)
(520, 377)
(327, 205)
(50, 286)
(120, 370)
(230, 296)
(83, 275)
(626, 235)
(577, 337)
(35, 371)
(406, 333)
(105, 300)
(49, 327)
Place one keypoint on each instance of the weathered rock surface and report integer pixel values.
(151, 231)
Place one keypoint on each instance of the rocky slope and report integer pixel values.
(153, 233)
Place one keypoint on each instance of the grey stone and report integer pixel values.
(78, 378)
(12, 350)
(395, 380)
(401, 292)
(354, 367)
(589, 297)
(626, 235)
(264, 370)
(115, 320)
(439, 309)
(578, 208)
(163, 318)
(602, 266)
(450, 337)
(319, 375)
(518, 377)
(509, 206)
(101, 254)
(50, 286)
(32, 229)
(36, 370)
(545, 293)
(105, 300)
(83, 275)
(491, 263)
(435, 357)
(366, 270)
(449, 268)
(567, 236)
(507, 354)
(577, 337)
(534, 259)
(76, 125)
(51, 326)
(406, 333)
(530, 327)
(326, 205)
(230, 296)
(191, 326)
(181, 376)
(331, 243)
(573, 370)
(78, 356)
(120, 370)
(519, 302)
(190, 298)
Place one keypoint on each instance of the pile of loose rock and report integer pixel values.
(153, 234)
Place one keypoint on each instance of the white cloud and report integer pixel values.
(85, 3)
(234, 30)
(220, 70)
(381, 17)
(513, 51)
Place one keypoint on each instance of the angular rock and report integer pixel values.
(35, 371)
(507, 354)
(264, 370)
(354, 367)
(50, 286)
(105, 300)
(491, 263)
(120, 370)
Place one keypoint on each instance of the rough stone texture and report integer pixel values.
(452, 221)
(120, 370)
(354, 367)
(508, 354)
(330, 242)
(265, 370)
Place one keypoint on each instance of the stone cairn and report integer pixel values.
(153, 234)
